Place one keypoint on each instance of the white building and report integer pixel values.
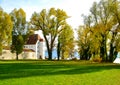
(36, 44)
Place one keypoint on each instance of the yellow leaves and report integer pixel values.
(66, 39)
(52, 20)
(88, 38)
(66, 54)
(19, 21)
(18, 16)
(42, 14)
(6, 26)
(52, 11)
(21, 12)
(61, 16)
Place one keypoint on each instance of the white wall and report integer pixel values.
(42, 50)
(33, 47)
(28, 55)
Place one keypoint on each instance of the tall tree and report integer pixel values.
(103, 26)
(17, 45)
(103, 23)
(114, 32)
(6, 26)
(66, 42)
(84, 42)
(51, 23)
(19, 24)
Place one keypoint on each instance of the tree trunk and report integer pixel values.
(82, 55)
(62, 56)
(48, 49)
(58, 50)
(115, 54)
(16, 56)
(1, 48)
(50, 54)
(103, 50)
(102, 53)
(86, 54)
(111, 52)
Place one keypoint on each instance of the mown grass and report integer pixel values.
(58, 73)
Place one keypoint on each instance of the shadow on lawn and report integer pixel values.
(21, 70)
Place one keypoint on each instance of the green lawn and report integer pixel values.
(58, 73)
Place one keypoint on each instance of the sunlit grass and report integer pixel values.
(58, 73)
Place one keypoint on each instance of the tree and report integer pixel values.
(103, 23)
(19, 26)
(66, 42)
(103, 28)
(51, 23)
(6, 26)
(114, 32)
(17, 45)
(84, 42)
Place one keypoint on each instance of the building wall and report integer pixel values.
(7, 55)
(42, 50)
(28, 55)
(38, 48)
(33, 47)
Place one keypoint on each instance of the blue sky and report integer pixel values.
(74, 8)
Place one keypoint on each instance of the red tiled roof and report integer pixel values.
(33, 39)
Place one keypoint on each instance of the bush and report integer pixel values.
(74, 58)
(96, 59)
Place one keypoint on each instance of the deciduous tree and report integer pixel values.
(6, 26)
(51, 23)
(115, 31)
(66, 42)
(100, 27)
(19, 26)
(103, 23)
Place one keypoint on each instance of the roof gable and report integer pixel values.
(33, 39)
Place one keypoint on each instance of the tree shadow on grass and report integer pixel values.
(21, 70)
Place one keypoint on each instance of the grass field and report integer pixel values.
(58, 73)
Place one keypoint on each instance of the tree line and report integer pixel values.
(99, 37)
(15, 30)
(100, 34)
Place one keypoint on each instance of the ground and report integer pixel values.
(58, 73)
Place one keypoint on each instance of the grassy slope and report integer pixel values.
(58, 73)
